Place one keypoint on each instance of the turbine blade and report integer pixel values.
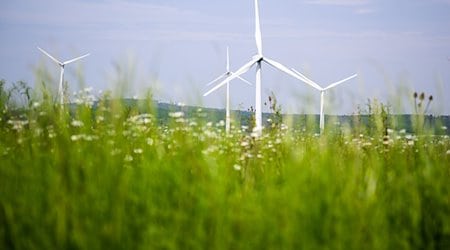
(75, 59)
(239, 72)
(215, 80)
(51, 57)
(258, 36)
(341, 81)
(242, 79)
(316, 86)
(228, 60)
(286, 70)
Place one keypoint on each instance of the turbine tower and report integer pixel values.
(322, 96)
(61, 64)
(257, 60)
(227, 74)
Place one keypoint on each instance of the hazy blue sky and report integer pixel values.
(175, 47)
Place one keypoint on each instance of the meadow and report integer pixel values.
(112, 176)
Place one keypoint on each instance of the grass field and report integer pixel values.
(115, 178)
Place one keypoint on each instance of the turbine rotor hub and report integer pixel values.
(258, 57)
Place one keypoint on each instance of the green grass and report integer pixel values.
(111, 178)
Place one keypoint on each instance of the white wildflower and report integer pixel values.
(128, 158)
(180, 120)
(75, 137)
(176, 114)
(115, 151)
(138, 151)
(17, 124)
(90, 137)
(254, 134)
(448, 152)
(387, 140)
(51, 134)
(77, 123)
(237, 167)
(100, 118)
(150, 141)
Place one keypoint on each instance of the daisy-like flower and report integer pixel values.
(76, 123)
(176, 114)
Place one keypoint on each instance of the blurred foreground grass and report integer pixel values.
(115, 178)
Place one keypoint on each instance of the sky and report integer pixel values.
(174, 48)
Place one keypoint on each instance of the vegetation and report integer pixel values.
(106, 175)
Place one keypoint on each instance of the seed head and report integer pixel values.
(430, 98)
(415, 95)
(422, 96)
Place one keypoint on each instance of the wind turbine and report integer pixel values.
(322, 96)
(257, 60)
(62, 64)
(227, 74)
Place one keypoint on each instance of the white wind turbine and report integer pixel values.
(61, 64)
(258, 59)
(227, 74)
(322, 95)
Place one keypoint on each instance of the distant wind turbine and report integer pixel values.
(227, 74)
(258, 59)
(322, 96)
(62, 64)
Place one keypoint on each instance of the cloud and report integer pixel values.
(360, 7)
(132, 20)
(338, 2)
(442, 1)
(363, 11)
